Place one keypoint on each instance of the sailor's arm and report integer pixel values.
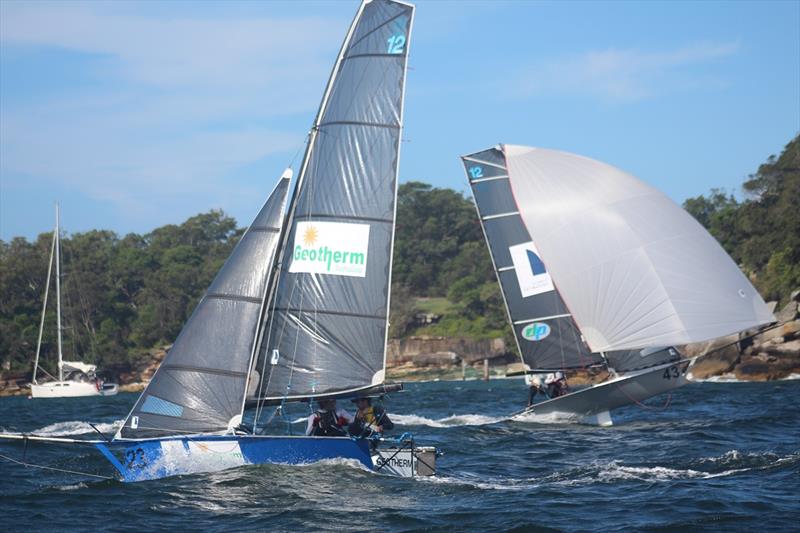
(383, 421)
(310, 426)
(341, 413)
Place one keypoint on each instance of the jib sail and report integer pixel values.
(200, 385)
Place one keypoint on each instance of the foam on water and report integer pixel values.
(448, 421)
(486, 484)
(549, 418)
(76, 427)
(791, 377)
(76, 486)
(730, 463)
(614, 471)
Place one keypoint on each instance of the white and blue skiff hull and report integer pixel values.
(157, 458)
(148, 459)
(592, 404)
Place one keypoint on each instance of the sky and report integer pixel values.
(135, 115)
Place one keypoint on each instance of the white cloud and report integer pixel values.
(168, 102)
(626, 75)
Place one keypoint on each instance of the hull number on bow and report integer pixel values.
(675, 371)
(135, 458)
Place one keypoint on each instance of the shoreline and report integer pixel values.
(422, 375)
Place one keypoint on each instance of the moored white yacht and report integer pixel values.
(75, 378)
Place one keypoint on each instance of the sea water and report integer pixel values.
(713, 456)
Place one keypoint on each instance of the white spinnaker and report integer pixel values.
(634, 268)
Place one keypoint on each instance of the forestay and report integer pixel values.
(634, 268)
(326, 331)
(200, 385)
(545, 333)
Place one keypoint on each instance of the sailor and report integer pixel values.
(369, 419)
(556, 383)
(328, 421)
(536, 386)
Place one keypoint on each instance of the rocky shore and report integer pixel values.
(760, 355)
(771, 353)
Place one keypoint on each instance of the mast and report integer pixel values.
(44, 306)
(396, 189)
(494, 266)
(271, 294)
(58, 293)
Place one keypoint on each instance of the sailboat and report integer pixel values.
(75, 378)
(299, 311)
(600, 270)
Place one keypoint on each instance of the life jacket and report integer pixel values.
(369, 416)
(328, 424)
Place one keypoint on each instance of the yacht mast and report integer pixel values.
(58, 294)
(44, 307)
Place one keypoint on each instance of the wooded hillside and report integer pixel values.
(125, 295)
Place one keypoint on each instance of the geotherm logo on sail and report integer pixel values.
(327, 256)
(330, 248)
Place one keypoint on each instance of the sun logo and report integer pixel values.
(310, 236)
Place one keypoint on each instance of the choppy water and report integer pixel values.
(720, 456)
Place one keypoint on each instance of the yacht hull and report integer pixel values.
(593, 403)
(71, 389)
(158, 458)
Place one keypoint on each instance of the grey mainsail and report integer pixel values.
(200, 385)
(327, 326)
(546, 335)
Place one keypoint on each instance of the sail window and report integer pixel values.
(157, 406)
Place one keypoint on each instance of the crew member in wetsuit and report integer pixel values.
(369, 419)
(328, 421)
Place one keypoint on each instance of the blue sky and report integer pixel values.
(136, 115)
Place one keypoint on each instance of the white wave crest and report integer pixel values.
(791, 377)
(489, 484)
(76, 486)
(549, 418)
(338, 461)
(615, 472)
(76, 427)
(446, 422)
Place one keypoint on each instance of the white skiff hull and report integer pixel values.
(624, 390)
(71, 389)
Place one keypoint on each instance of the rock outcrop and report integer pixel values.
(770, 353)
(446, 351)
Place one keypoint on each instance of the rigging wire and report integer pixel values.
(645, 406)
(54, 469)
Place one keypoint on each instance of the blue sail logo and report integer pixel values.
(536, 331)
(537, 267)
